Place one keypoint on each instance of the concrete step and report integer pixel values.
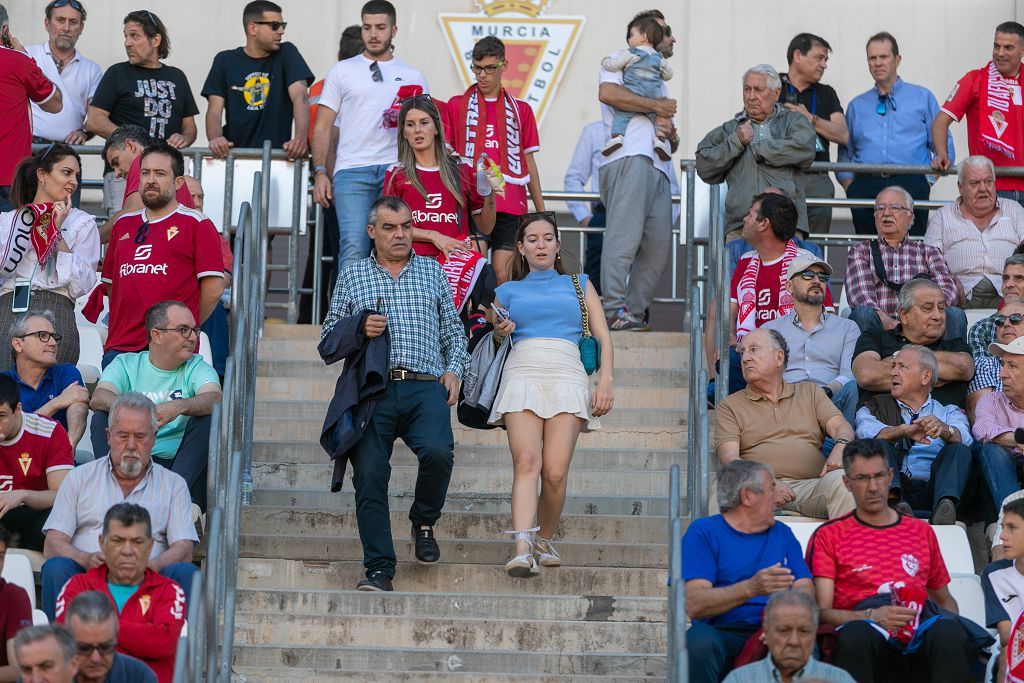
(497, 551)
(454, 524)
(611, 436)
(646, 376)
(260, 574)
(246, 674)
(352, 661)
(429, 632)
(307, 410)
(674, 357)
(495, 503)
(306, 451)
(275, 388)
(464, 479)
(477, 605)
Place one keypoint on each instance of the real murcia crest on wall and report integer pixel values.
(537, 49)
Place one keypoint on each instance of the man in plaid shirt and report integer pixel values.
(874, 300)
(983, 332)
(412, 301)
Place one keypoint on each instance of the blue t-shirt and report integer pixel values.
(56, 380)
(714, 551)
(129, 670)
(121, 594)
(544, 305)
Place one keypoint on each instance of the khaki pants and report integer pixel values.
(984, 295)
(823, 498)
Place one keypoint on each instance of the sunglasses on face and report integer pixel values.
(106, 649)
(378, 77)
(1013, 319)
(811, 274)
(142, 233)
(275, 25)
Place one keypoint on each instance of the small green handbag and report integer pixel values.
(590, 350)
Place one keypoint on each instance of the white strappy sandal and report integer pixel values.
(546, 554)
(523, 566)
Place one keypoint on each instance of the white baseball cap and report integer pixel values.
(1014, 348)
(804, 261)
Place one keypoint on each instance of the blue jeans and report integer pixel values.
(712, 650)
(355, 189)
(846, 401)
(57, 571)
(998, 471)
(956, 321)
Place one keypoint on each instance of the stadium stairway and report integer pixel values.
(602, 616)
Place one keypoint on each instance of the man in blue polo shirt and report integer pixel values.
(47, 388)
(732, 563)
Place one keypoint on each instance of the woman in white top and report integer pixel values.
(49, 176)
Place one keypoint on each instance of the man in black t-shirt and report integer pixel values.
(249, 85)
(804, 93)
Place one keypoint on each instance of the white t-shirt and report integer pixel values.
(639, 138)
(77, 85)
(71, 274)
(349, 89)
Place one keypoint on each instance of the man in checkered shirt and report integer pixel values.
(411, 300)
(875, 299)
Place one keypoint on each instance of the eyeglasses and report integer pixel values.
(275, 25)
(1013, 319)
(43, 336)
(489, 69)
(528, 218)
(143, 233)
(882, 208)
(811, 274)
(878, 477)
(85, 649)
(378, 77)
(185, 331)
(74, 4)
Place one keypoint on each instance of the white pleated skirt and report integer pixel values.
(546, 377)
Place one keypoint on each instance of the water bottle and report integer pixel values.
(483, 188)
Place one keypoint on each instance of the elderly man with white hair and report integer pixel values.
(762, 146)
(977, 233)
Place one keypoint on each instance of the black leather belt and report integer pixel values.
(401, 375)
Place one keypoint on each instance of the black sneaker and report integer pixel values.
(375, 581)
(424, 544)
(945, 513)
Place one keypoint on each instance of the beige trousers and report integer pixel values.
(823, 498)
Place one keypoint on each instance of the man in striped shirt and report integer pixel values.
(126, 475)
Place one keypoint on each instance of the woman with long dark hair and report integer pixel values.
(544, 399)
(47, 179)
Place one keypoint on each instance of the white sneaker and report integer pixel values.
(662, 149)
(612, 145)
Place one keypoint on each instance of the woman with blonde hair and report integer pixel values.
(544, 399)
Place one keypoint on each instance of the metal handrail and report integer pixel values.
(676, 659)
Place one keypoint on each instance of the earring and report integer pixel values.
(558, 256)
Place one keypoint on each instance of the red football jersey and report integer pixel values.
(180, 249)
(21, 80)
(986, 135)
(866, 560)
(40, 447)
(439, 211)
(131, 184)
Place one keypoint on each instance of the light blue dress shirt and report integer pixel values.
(902, 136)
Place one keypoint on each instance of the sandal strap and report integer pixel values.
(524, 535)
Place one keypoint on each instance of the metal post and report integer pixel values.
(673, 588)
(716, 243)
(233, 516)
(318, 262)
(298, 190)
(703, 453)
(263, 226)
(229, 193)
(678, 611)
(214, 562)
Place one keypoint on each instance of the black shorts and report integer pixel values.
(503, 237)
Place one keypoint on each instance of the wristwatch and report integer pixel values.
(318, 169)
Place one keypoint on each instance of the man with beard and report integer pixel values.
(362, 93)
(127, 475)
(820, 343)
(248, 85)
(164, 252)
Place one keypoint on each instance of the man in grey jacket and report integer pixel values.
(762, 146)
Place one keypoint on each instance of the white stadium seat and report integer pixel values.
(204, 348)
(18, 570)
(91, 346)
(966, 589)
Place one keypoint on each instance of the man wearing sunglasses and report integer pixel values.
(150, 607)
(874, 117)
(362, 90)
(259, 88)
(184, 387)
(92, 620)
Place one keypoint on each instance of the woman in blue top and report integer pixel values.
(544, 399)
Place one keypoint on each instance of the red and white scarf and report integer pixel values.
(746, 292)
(32, 224)
(471, 134)
(461, 268)
(1015, 652)
(1000, 119)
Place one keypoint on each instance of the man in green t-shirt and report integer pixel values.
(181, 384)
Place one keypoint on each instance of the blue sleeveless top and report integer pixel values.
(544, 304)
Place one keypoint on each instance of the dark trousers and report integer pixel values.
(57, 570)
(945, 655)
(190, 460)
(950, 475)
(712, 650)
(5, 199)
(1015, 195)
(595, 244)
(109, 356)
(418, 413)
(329, 272)
(217, 330)
(998, 467)
(868, 187)
(27, 525)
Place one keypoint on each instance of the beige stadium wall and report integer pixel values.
(717, 41)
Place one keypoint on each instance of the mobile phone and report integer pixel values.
(499, 311)
(22, 293)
